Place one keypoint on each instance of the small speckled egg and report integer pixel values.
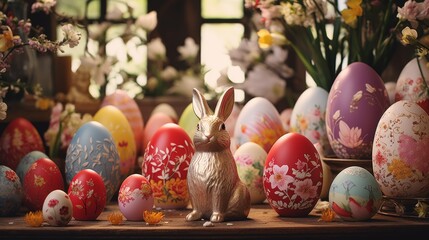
(26, 162)
(250, 160)
(57, 208)
(135, 196)
(42, 177)
(10, 192)
(293, 176)
(88, 195)
(401, 149)
(93, 147)
(258, 122)
(354, 194)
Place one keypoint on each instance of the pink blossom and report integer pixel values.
(414, 153)
(244, 160)
(409, 12)
(300, 165)
(350, 137)
(280, 179)
(52, 203)
(305, 189)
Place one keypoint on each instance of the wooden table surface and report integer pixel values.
(262, 223)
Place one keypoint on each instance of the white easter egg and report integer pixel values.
(57, 208)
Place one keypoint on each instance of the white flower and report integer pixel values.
(189, 50)
(3, 109)
(148, 22)
(96, 30)
(262, 82)
(71, 36)
(276, 62)
(168, 73)
(156, 49)
(185, 85)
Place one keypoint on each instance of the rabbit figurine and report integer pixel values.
(215, 188)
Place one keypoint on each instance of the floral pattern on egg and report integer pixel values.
(401, 147)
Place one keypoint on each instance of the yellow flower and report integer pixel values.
(34, 219)
(350, 15)
(265, 39)
(409, 35)
(422, 209)
(39, 181)
(399, 169)
(151, 217)
(328, 215)
(44, 103)
(115, 218)
(6, 39)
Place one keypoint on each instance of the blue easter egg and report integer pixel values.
(10, 192)
(26, 162)
(354, 194)
(93, 147)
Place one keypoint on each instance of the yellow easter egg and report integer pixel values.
(115, 121)
(188, 121)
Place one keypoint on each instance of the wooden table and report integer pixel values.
(262, 223)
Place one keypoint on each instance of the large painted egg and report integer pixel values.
(10, 192)
(356, 102)
(400, 151)
(354, 194)
(308, 117)
(27, 161)
(258, 122)
(18, 138)
(135, 196)
(250, 160)
(117, 124)
(165, 164)
(293, 176)
(87, 194)
(188, 121)
(42, 177)
(93, 147)
(132, 112)
(153, 124)
(57, 208)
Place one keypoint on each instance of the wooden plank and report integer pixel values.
(263, 222)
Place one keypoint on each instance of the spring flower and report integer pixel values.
(328, 215)
(71, 36)
(156, 49)
(148, 22)
(350, 137)
(189, 50)
(34, 219)
(152, 217)
(409, 35)
(352, 13)
(280, 178)
(115, 218)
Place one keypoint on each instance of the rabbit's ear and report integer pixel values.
(199, 104)
(225, 104)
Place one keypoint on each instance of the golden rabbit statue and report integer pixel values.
(215, 188)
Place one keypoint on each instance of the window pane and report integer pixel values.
(216, 41)
(138, 7)
(222, 8)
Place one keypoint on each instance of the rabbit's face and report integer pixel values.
(211, 135)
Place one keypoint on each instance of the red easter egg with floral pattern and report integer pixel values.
(165, 164)
(135, 196)
(18, 138)
(42, 177)
(293, 176)
(87, 193)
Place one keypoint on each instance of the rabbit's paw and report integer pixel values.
(217, 217)
(194, 215)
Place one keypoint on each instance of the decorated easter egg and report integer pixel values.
(153, 124)
(258, 122)
(57, 208)
(354, 194)
(42, 177)
(165, 164)
(188, 121)
(356, 102)
(10, 192)
(117, 124)
(132, 112)
(87, 194)
(308, 117)
(93, 147)
(250, 160)
(26, 162)
(293, 176)
(400, 151)
(167, 109)
(18, 138)
(135, 196)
